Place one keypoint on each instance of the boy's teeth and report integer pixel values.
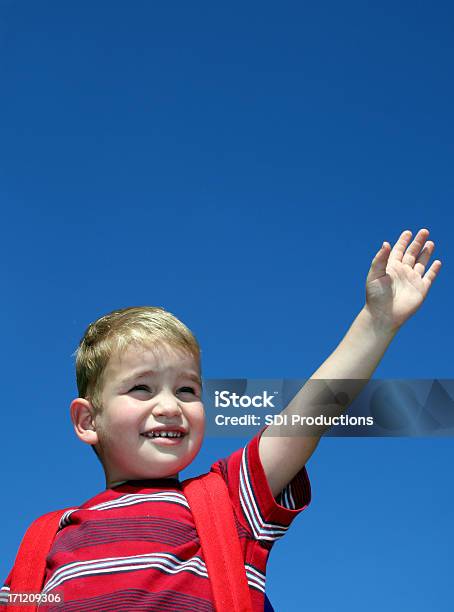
(164, 434)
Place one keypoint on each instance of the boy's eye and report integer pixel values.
(145, 388)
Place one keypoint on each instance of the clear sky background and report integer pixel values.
(239, 165)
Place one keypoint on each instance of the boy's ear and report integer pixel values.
(83, 420)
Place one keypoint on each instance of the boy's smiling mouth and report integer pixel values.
(167, 434)
(165, 438)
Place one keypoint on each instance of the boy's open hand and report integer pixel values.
(396, 285)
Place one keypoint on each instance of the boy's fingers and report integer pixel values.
(412, 253)
(431, 273)
(424, 257)
(398, 250)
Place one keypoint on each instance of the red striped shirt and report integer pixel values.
(135, 546)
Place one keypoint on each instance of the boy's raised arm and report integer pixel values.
(396, 286)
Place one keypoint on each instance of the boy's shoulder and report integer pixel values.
(265, 517)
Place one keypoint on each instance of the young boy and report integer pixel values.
(134, 545)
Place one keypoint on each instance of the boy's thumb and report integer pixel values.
(378, 266)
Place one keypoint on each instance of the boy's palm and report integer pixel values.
(396, 284)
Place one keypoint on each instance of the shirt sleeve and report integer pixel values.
(265, 518)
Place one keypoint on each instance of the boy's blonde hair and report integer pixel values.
(148, 326)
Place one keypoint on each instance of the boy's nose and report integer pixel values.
(168, 405)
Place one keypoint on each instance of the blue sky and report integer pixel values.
(239, 165)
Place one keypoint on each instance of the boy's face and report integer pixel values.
(144, 390)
